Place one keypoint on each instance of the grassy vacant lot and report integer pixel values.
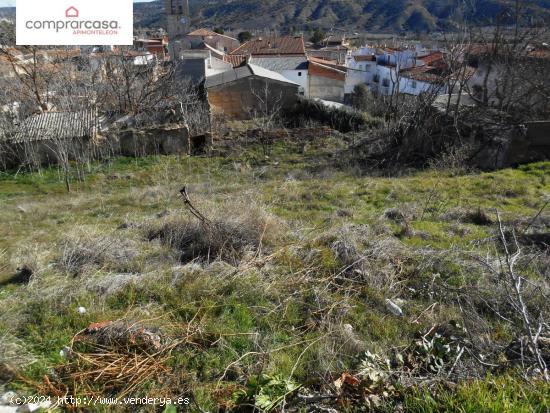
(279, 291)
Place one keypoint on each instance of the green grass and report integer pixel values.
(282, 307)
(492, 395)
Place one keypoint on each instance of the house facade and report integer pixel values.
(293, 68)
(249, 90)
(386, 71)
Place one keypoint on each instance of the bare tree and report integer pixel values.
(265, 113)
(192, 104)
(133, 83)
(532, 326)
(512, 65)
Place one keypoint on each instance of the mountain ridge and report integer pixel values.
(361, 15)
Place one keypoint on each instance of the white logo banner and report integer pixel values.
(74, 22)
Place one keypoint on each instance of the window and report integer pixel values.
(386, 82)
(299, 73)
(376, 78)
(413, 84)
(367, 68)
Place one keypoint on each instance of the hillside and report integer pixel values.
(361, 15)
(301, 275)
(370, 15)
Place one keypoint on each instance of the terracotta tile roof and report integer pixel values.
(235, 60)
(320, 70)
(539, 53)
(322, 61)
(272, 46)
(207, 33)
(428, 74)
(328, 63)
(431, 58)
(534, 52)
(202, 32)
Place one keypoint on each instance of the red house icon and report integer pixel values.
(71, 12)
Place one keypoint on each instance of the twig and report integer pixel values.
(191, 207)
(536, 216)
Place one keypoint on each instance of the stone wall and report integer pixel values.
(168, 140)
(151, 141)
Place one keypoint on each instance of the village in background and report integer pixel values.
(183, 82)
(303, 219)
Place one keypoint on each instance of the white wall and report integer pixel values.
(294, 76)
(213, 66)
(359, 73)
(407, 85)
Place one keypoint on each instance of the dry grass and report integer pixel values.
(476, 216)
(377, 259)
(230, 231)
(84, 248)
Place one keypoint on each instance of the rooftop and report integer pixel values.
(279, 63)
(235, 60)
(272, 46)
(431, 58)
(207, 33)
(58, 125)
(244, 72)
(426, 74)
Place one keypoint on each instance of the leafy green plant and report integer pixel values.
(265, 392)
(433, 352)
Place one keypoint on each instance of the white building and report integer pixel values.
(198, 65)
(293, 68)
(386, 71)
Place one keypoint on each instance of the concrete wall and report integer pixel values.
(141, 142)
(417, 87)
(237, 100)
(298, 76)
(222, 43)
(326, 83)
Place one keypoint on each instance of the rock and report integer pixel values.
(123, 333)
(33, 407)
(66, 352)
(394, 308)
(400, 302)
(7, 397)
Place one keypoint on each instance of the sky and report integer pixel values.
(11, 3)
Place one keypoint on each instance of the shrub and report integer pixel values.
(82, 249)
(227, 235)
(341, 119)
